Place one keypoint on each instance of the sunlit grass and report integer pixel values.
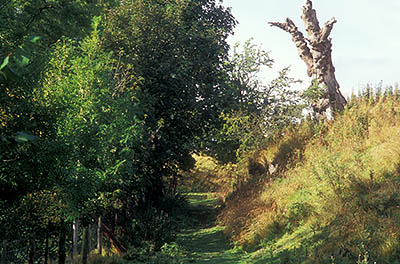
(335, 190)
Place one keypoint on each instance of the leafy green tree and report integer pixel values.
(94, 117)
(111, 116)
(177, 50)
(32, 158)
(28, 28)
(257, 109)
(244, 68)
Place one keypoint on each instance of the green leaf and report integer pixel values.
(34, 39)
(5, 62)
(22, 137)
(23, 61)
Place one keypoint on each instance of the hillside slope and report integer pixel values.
(331, 194)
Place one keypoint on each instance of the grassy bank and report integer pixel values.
(329, 193)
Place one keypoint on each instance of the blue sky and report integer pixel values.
(366, 38)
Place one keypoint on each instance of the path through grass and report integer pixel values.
(204, 239)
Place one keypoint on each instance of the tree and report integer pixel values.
(29, 152)
(255, 109)
(32, 158)
(176, 49)
(128, 102)
(316, 51)
(95, 117)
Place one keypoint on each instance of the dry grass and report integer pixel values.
(209, 176)
(335, 190)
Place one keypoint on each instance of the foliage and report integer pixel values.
(106, 117)
(169, 254)
(313, 93)
(257, 110)
(102, 104)
(32, 160)
(244, 68)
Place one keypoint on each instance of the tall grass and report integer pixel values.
(333, 192)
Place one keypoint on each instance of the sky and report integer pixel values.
(366, 37)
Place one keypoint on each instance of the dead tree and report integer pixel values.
(316, 51)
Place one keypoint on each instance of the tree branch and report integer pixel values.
(299, 40)
(326, 31)
(310, 20)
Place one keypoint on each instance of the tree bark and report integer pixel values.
(99, 236)
(85, 246)
(61, 244)
(46, 248)
(114, 241)
(316, 52)
(75, 239)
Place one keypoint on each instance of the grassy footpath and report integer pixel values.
(204, 239)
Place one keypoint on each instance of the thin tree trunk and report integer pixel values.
(61, 244)
(316, 51)
(75, 238)
(85, 247)
(99, 236)
(51, 260)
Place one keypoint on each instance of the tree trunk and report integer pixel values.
(61, 244)
(46, 248)
(85, 247)
(316, 51)
(75, 239)
(99, 236)
(114, 241)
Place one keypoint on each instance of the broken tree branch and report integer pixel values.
(310, 20)
(299, 41)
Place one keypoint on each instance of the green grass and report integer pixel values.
(204, 240)
(335, 192)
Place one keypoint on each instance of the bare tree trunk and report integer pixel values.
(99, 236)
(85, 247)
(75, 239)
(61, 244)
(316, 51)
